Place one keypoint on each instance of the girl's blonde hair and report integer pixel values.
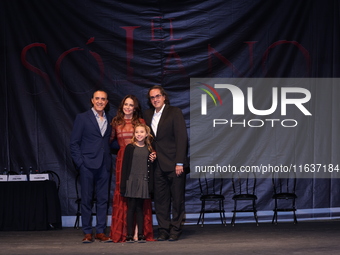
(148, 139)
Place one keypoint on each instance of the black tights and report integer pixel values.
(135, 205)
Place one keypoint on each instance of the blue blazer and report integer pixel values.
(88, 146)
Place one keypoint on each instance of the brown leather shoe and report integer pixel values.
(103, 238)
(88, 238)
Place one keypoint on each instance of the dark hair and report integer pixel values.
(137, 113)
(99, 90)
(166, 101)
(107, 98)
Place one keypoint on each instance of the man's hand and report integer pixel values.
(179, 170)
(152, 156)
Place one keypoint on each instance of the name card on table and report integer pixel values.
(3, 177)
(39, 177)
(17, 178)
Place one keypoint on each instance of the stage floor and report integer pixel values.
(315, 237)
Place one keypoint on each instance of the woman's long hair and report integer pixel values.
(137, 113)
(148, 139)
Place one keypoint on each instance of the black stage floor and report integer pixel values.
(315, 237)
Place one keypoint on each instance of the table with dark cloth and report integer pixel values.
(29, 206)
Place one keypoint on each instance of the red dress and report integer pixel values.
(119, 209)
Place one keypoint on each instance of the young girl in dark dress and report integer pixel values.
(136, 183)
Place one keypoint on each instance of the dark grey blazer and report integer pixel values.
(171, 141)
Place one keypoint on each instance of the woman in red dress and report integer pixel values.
(128, 115)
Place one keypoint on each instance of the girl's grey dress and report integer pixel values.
(137, 184)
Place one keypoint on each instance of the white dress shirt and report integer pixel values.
(155, 120)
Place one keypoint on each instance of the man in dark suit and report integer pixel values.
(90, 152)
(170, 142)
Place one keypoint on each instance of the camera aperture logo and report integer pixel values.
(204, 97)
(282, 98)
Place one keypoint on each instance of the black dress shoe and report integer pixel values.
(173, 238)
(162, 237)
(141, 239)
(129, 239)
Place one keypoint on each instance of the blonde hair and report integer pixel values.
(148, 140)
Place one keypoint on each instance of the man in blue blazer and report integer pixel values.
(90, 152)
(170, 142)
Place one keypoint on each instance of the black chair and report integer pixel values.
(284, 185)
(12, 173)
(53, 176)
(211, 191)
(244, 185)
(78, 202)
